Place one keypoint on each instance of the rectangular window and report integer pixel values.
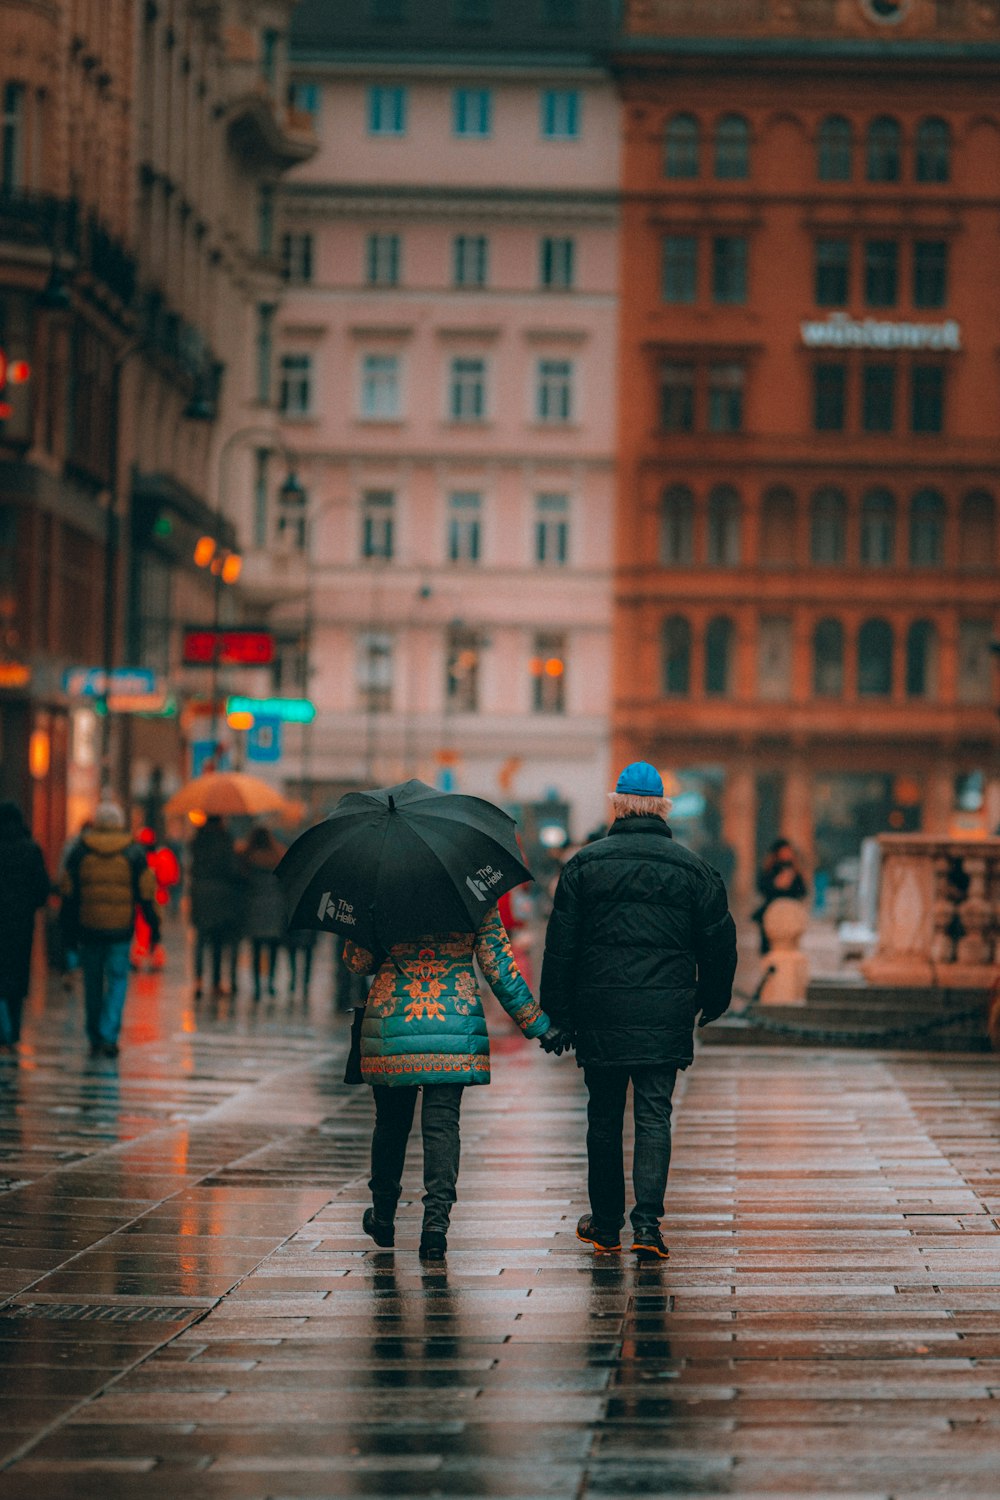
(680, 268)
(304, 97)
(829, 397)
(270, 52)
(297, 257)
(927, 398)
(729, 268)
(677, 398)
(387, 109)
(774, 659)
(930, 273)
(557, 263)
(560, 114)
(296, 392)
(554, 390)
(12, 144)
(382, 259)
(472, 113)
(878, 398)
(375, 671)
(548, 674)
(975, 662)
(881, 273)
(265, 351)
(293, 512)
(551, 529)
(725, 398)
(833, 264)
(380, 387)
(378, 523)
(470, 260)
(467, 390)
(464, 526)
(464, 650)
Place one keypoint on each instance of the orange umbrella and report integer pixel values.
(231, 794)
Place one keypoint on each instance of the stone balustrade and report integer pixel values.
(938, 913)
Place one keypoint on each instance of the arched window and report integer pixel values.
(732, 148)
(676, 657)
(921, 660)
(827, 526)
(828, 659)
(875, 659)
(777, 528)
(977, 533)
(723, 527)
(927, 529)
(677, 526)
(933, 163)
(835, 150)
(882, 150)
(719, 657)
(878, 529)
(681, 159)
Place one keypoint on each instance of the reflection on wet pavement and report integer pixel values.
(189, 1303)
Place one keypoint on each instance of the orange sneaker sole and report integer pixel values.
(648, 1252)
(600, 1249)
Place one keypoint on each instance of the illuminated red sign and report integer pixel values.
(228, 648)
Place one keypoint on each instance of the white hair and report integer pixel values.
(628, 805)
(109, 816)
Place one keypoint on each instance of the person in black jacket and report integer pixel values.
(640, 941)
(24, 887)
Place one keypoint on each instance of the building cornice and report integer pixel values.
(641, 54)
(315, 63)
(405, 200)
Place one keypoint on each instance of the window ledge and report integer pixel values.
(380, 421)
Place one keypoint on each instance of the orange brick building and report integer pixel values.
(810, 376)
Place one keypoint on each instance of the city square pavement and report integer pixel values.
(191, 1309)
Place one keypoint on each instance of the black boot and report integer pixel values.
(433, 1244)
(382, 1231)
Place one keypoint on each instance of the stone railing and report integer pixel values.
(938, 913)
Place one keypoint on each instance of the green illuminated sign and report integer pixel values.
(288, 710)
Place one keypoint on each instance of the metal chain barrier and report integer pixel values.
(845, 1037)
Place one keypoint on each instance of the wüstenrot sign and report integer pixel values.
(839, 331)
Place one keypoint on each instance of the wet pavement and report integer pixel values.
(190, 1307)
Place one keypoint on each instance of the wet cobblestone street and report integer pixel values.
(191, 1308)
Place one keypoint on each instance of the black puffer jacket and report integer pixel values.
(640, 940)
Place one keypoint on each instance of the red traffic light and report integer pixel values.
(14, 371)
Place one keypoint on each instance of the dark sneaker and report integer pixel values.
(433, 1245)
(382, 1231)
(604, 1241)
(648, 1245)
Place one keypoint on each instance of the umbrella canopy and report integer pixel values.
(229, 794)
(399, 862)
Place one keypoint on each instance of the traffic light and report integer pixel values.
(12, 372)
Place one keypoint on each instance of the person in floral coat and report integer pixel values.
(424, 1027)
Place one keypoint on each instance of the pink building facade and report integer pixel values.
(446, 358)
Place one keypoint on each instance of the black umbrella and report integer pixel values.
(399, 862)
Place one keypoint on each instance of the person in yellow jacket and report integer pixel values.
(105, 879)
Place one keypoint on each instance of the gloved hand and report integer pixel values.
(556, 1040)
(708, 1016)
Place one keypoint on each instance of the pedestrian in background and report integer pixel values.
(779, 876)
(105, 880)
(24, 887)
(218, 888)
(265, 919)
(640, 940)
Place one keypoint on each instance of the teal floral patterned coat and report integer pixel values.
(424, 1020)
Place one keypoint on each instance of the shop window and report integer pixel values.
(724, 527)
(777, 528)
(676, 643)
(927, 513)
(921, 660)
(878, 397)
(677, 397)
(977, 533)
(827, 526)
(677, 527)
(732, 148)
(774, 659)
(833, 267)
(681, 158)
(725, 397)
(878, 529)
(829, 396)
(834, 150)
(680, 269)
(729, 269)
(927, 398)
(882, 150)
(828, 659)
(875, 646)
(881, 273)
(933, 155)
(930, 273)
(975, 662)
(719, 657)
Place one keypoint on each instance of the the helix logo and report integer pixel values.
(337, 909)
(478, 889)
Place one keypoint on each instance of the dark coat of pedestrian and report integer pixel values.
(24, 887)
(265, 918)
(640, 941)
(218, 886)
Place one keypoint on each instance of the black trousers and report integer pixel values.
(652, 1092)
(439, 1113)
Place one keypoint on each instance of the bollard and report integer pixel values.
(784, 922)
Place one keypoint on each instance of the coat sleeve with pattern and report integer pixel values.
(715, 950)
(499, 966)
(562, 939)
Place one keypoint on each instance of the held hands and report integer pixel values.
(556, 1040)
